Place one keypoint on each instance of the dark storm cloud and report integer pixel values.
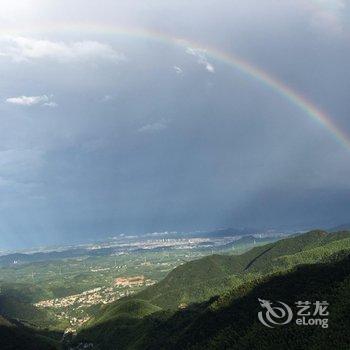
(146, 135)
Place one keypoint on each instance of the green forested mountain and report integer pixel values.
(12, 307)
(200, 279)
(230, 319)
(16, 336)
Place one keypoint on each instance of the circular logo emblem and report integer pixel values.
(274, 315)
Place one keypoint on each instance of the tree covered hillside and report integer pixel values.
(16, 336)
(230, 320)
(212, 303)
(201, 279)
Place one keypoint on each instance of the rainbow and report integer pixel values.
(232, 60)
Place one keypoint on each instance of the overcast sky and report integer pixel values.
(105, 133)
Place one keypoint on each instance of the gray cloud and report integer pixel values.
(327, 14)
(156, 142)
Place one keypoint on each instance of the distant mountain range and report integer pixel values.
(24, 258)
(343, 227)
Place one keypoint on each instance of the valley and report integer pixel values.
(71, 285)
(203, 297)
